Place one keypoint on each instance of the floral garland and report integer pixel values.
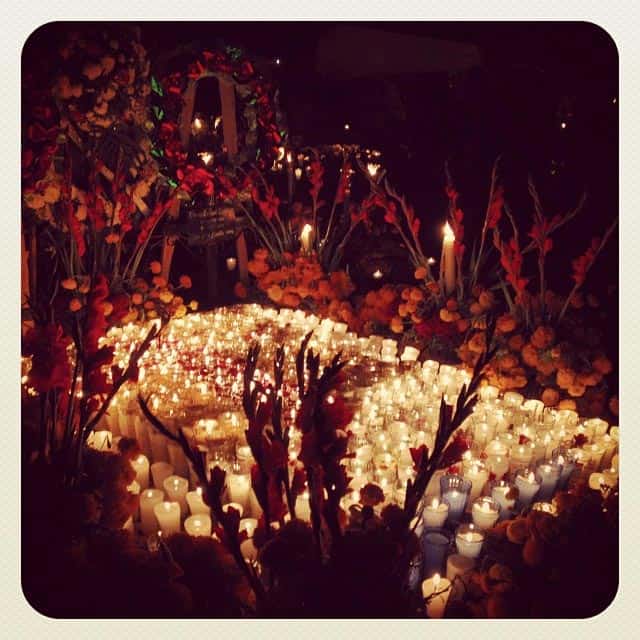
(260, 110)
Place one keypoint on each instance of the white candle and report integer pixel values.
(448, 260)
(469, 541)
(238, 487)
(521, 455)
(502, 493)
(148, 499)
(306, 238)
(435, 513)
(100, 440)
(160, 471)
(527, 486)
(141, 467)
(485, 512)
(498, 465)
(435, 592)
(477, 473)
(249, 525)
(548, 475)
(303, 507)
(168, 516)
(196, 503)
(610, 477)
(198, 525)
(176, 489)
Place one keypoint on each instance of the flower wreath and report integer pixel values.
(259, 109)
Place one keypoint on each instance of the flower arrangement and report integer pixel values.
(91, 203)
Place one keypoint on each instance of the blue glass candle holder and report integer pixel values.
(548, 475)
(563, 457)
(435, 544)
(454, 490)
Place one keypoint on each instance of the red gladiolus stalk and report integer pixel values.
(582, 264)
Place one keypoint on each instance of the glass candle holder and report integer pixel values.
(564, 457)
(505, 494)
(477, 473)
(548, 475)
(527, 486)
(435, 512)
(485, 512)
(454, 490)
(469, 540)
(435, 544)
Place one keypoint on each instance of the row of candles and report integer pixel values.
(195, 374)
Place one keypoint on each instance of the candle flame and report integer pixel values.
(435, 503)
(448, 232)
(436, 580)
(372, 168)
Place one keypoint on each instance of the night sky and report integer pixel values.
(543, 95)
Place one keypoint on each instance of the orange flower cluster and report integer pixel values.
(379, 308)
(552, 363)
(300, 281)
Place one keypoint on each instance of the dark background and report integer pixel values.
(529, 80)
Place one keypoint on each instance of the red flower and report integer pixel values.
(495, 208)
(434, 327)
(454, 451)
(192, 178)
(420, 457)
(582, 264)
(47, 346)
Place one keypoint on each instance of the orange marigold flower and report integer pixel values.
(550, 397)
(505, 323)
(291, 300)
(420, 273)
(261, 254)
(159, 281)
(75, 304)
(136, 298)
(185, 282)
(155, 267)
(603, 365)
(275, 293)
(70, 284)
(397, 325)
(543, 337)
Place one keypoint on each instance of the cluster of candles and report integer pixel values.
(521, 452)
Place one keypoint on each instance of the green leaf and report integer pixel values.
(158, 153)
(159, 112)
(172, 183)
(156, 87)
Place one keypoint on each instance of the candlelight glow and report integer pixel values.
(448, 233)
(372, 168)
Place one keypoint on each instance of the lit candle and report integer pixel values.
(231, 263)
(168, 516)
(141, 467)
(233, 505)
(469, 541)
(306, 238)
(610, 477)
(303, 507)
(485, 512)
(176, 489)
(100, 440)
(435, 592)
(505, 495)
(238, 487)
(196, 503)
(435, 513)
(448, 260)
(249, 525)
(148, 500)
(198, 525)
(478, 474)
(548, 475)
(527, 486)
